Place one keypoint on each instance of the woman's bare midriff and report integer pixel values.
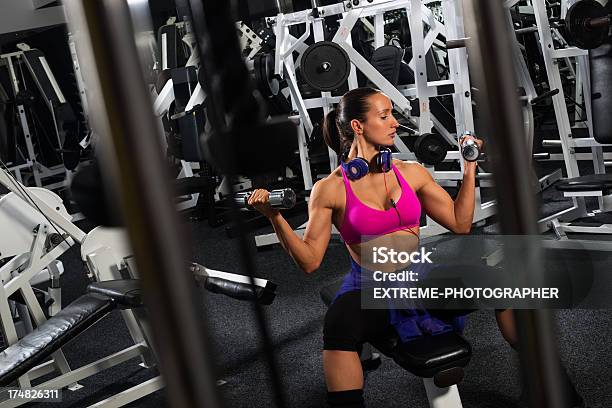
(399, 241)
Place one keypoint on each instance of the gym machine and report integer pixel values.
(584, 24)
(176, 84)
(40, 231)
(180, 103)
(63, 118)
(529, 99)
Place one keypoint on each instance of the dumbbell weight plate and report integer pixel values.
(284, 198)
(579, 33)
(430, 148)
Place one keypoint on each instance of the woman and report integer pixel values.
(385, 204)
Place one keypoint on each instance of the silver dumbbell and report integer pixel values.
(282, 199)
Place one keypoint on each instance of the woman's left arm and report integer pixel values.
(457, 215)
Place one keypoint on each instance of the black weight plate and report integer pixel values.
(273, 80)
(260, 80)
(430, 148)
(579, 33)
(263, 66)
(269, 84)
(325, 66)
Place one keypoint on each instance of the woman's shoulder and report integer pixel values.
(409, 166)
(327, 188)
(413, 172)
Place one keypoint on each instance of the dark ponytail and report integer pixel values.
(331, 135)
(337, 131)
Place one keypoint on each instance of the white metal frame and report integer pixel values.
(82, 90)
(442, 397)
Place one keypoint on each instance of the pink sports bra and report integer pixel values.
(361, 221)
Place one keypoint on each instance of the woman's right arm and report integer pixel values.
(307, 252)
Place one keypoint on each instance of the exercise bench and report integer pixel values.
(439, 360)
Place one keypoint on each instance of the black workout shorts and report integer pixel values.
(348, 326)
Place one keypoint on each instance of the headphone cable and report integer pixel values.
(394, 205)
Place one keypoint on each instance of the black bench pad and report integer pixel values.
(423, 357)
(19, 358)
(125, 292)
(591, 182)
(241, 291)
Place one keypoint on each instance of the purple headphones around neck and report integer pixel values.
(359, 167)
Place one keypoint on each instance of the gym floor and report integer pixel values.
(295, 319)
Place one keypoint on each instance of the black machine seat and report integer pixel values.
(440, 357)
(19, 358)
(387, 60)
(591, 182)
